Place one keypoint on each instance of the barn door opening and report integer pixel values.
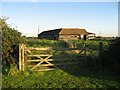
(84, 37)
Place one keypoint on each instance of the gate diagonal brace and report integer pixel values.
(81, 51)
(43, 60)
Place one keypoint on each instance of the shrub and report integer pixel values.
(10, 41)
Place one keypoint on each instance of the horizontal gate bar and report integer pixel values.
(69, 59)
(65, 63)
(40, 55)
(45, 69)
(68, 49)
(32, 48)
(42, 65)
(38, 60)
(50, 48)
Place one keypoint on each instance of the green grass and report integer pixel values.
(71, 76)
(55, 79)
(39, 43)
(91, 44)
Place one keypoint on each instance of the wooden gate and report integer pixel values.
(41, 59)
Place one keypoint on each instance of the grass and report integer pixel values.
(55, 79)
(71, 76)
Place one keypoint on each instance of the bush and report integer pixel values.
(10, 42)
(111, 57)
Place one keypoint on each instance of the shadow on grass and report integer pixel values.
(75, 64)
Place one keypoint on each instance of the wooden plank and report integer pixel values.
(42, 65)
(69, 59)
(32, 48)
(39, 55)
(49, 48)
(65, 64)
(47, 65)
(81, 51)
(46, 69)
(38, 60)
(68, 49)
(41, 62)
(28, 51)
(47, 62)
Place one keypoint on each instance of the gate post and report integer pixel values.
(23, 65)
(21, 57)
(20, 65)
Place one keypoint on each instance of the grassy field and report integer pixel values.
(71, 76)
(59, 79)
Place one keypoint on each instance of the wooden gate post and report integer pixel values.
(21, 57)
(20, 64)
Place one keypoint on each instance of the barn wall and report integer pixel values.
(69, 37)
(50, 37)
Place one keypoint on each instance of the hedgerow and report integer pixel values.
(111, 56)
(10, 42)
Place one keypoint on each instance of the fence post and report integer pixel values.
(100, 50)
(85, 54)
(19, 56)
(100, 63)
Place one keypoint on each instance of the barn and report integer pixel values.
(66, 34)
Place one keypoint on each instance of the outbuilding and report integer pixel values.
(66, 34)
